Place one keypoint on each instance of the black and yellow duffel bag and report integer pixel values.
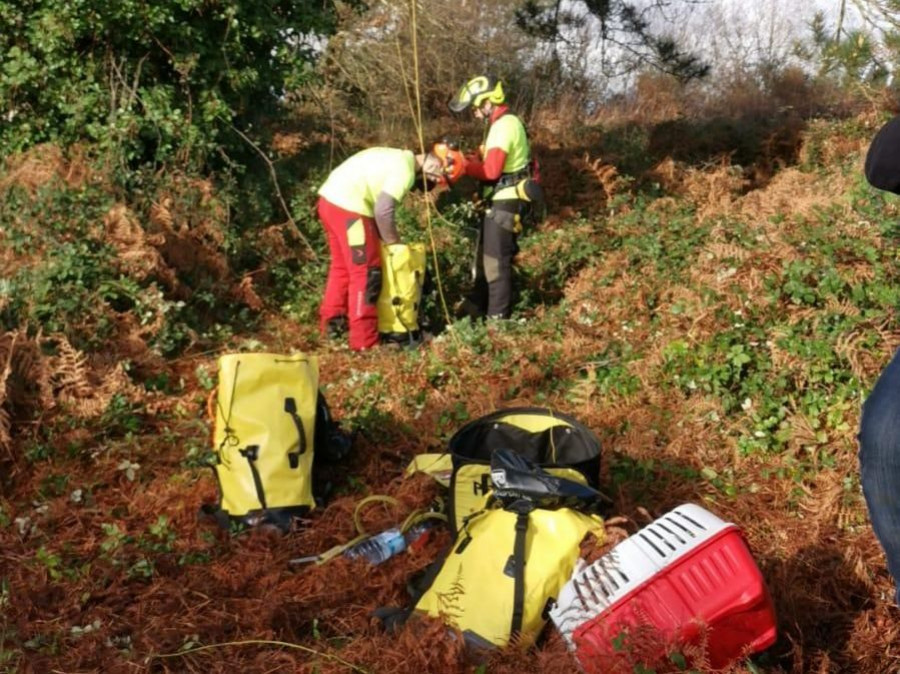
(403, 277)
(556, 442)
(270, 421)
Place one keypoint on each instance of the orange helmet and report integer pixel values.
(453, 163)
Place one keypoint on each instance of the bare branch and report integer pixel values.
(281, 200)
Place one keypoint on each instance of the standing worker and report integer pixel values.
(510, 178)
(357, 206)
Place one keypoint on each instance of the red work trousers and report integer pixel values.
(354, 275)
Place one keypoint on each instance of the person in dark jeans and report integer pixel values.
(879, 428)
(879, 460)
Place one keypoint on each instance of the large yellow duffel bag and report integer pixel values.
(268, 418)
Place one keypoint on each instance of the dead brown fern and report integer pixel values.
(187, 228)
(852, 347)
(25, 382)
(715, 188)
(605, 175)
(42, 164)
(137, 255)
(33, 169)
(7, 350)
(84, 391)
(274, 244)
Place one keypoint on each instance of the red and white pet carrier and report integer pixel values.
(686, 578)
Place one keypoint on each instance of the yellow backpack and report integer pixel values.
(403, 276)
(265, 436)
(556, 442)
(504, 570)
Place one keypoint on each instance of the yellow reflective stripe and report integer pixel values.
(508, 192)
(520, 190)
(356, 234)
(533, 423)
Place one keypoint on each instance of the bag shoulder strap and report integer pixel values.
(522, 510)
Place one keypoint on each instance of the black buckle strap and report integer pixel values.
(251, 453)
(522, 510)
(484, 486)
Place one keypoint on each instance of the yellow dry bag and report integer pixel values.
(504, 571)
(265, 426)
(403, 276)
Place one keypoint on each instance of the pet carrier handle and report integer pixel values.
(290, 406)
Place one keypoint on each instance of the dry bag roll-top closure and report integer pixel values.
(264, 436)
(556, 442)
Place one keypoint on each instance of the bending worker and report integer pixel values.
(503, 166)
(357, 207)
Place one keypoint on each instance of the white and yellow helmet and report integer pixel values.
(476, 91)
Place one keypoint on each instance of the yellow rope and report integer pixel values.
(418, 516)
(374, 498)
(417, 120)
(361, 533)
(415, 517)
(260, 642)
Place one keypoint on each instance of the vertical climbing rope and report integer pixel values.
(417, 120)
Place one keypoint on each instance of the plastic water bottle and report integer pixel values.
(418, 535)
(388, 543)
(380, 547)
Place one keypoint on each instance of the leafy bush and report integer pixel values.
(157, 82)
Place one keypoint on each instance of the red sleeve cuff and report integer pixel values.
(490, 169)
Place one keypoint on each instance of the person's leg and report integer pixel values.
(365, 281)
(334, 301)
(879, 459)
(500, 248)
(474, 305)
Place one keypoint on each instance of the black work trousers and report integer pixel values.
(492, 295)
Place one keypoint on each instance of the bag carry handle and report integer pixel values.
(290, 406)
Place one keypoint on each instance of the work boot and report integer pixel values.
(466, 307)
(336, 328)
